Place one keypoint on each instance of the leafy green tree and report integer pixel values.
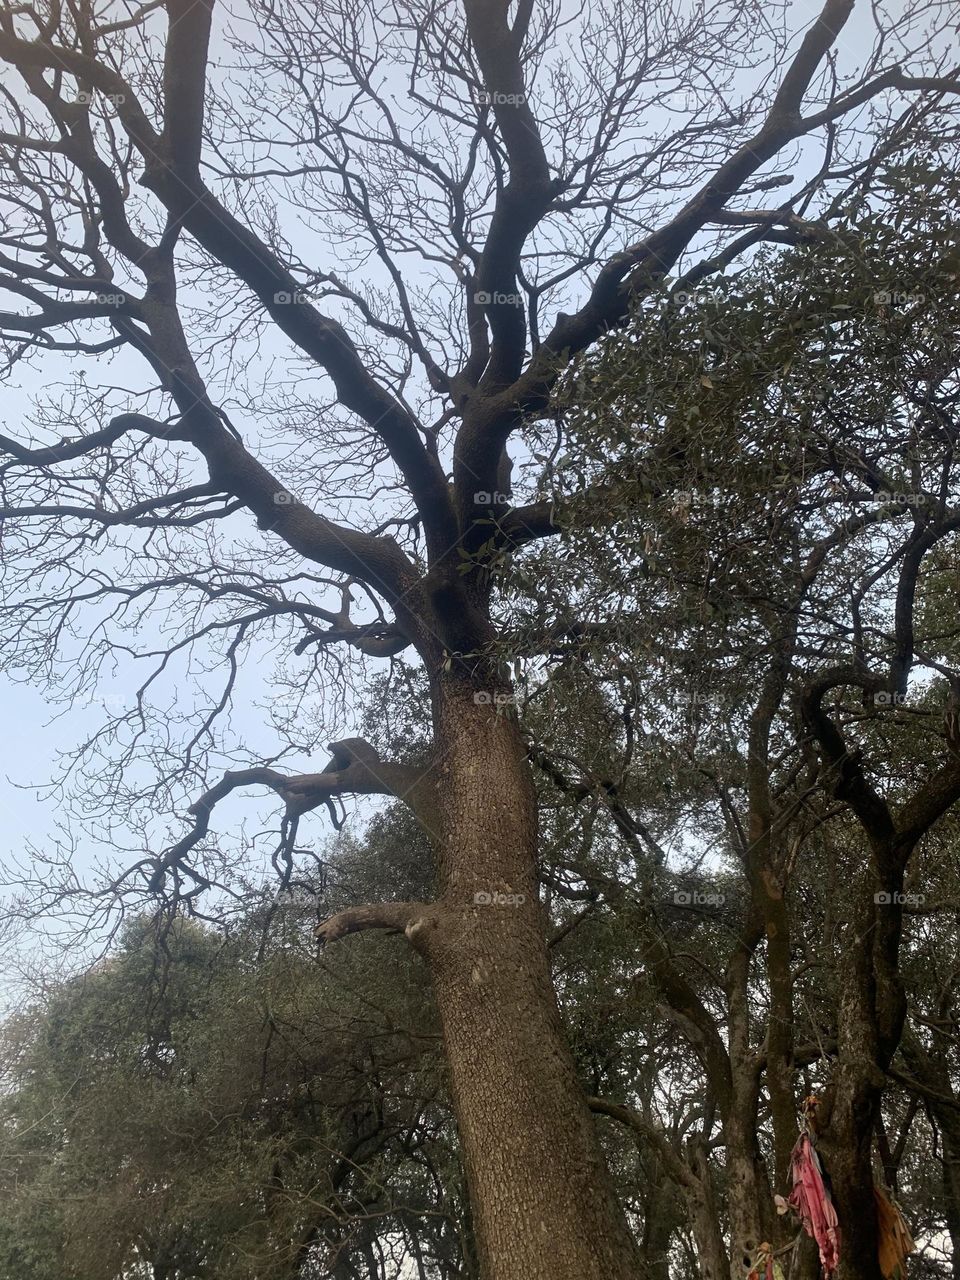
(198, 1106)
(764, 472)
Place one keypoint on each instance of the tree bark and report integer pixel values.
(704, 1216)
(749, 1202)
(846, 1153)
(850, 1116)
(662, 1215)
(541, 1196)
(749, 1196)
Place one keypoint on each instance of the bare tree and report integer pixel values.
(494, 163)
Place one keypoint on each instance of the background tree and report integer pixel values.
(782, 527)
(205, 1105)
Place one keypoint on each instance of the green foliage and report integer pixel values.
(212, 1108)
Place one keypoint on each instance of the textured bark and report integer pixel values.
(542, 1200)
(661, 1218)
(847, 1157)
(806, 1259)
(749, 1202)
(704, 1217)
(779, 1068)
(749, 1197)
(849, 1120)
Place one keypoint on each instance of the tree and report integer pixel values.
(152, 211)
(205, 1105)
(794, 515)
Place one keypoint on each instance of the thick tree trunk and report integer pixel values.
(869, 1027)
(661, 1218)
(850, 1116)
(747, 1196)
(846, 1154)
(704, 1217)
(541, 1197)
(750, 1209)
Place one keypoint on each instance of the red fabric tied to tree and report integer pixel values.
(811, 1199)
